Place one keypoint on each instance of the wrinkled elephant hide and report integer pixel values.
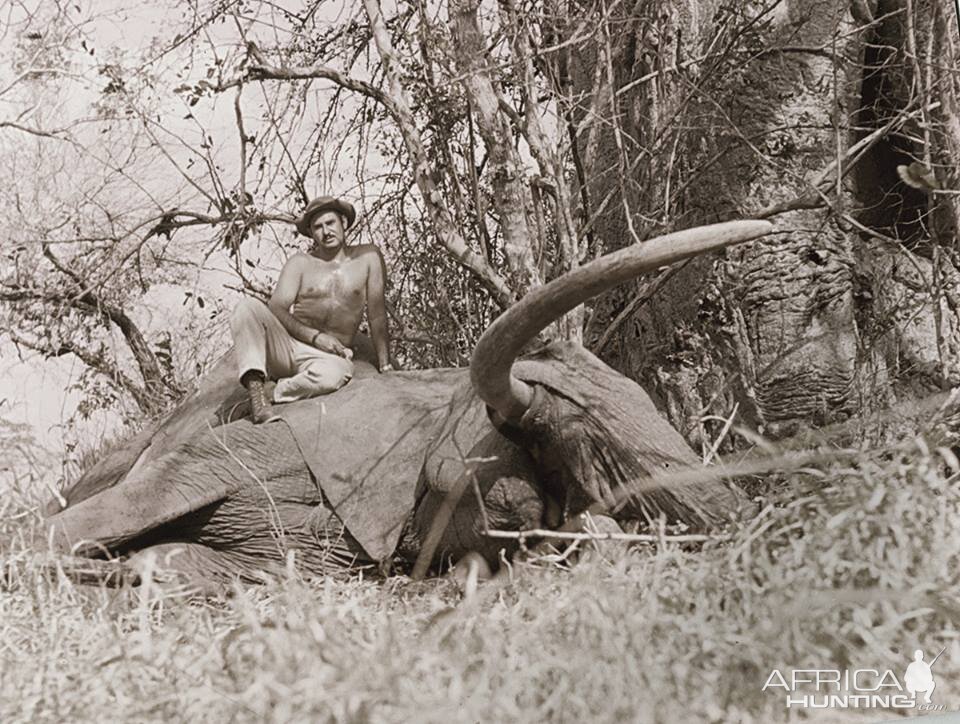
(363, 461)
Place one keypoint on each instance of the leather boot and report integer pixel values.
(259, 407)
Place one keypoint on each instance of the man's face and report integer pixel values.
(327, 230)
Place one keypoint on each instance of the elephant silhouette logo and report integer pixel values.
(919, 676)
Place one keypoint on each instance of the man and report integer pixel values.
(303, 337)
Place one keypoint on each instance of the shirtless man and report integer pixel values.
(303, 336)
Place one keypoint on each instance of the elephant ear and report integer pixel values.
(491, 483)
(365, 445)
(449, 452)
(472, 477)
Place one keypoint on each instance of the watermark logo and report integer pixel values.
(858, 688)
(919, 676)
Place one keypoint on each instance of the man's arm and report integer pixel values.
(285, 294)
(376, 308)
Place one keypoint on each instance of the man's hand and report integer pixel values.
(328, 343)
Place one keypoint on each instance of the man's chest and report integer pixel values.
(347, 279)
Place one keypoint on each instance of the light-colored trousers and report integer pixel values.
(262, 343)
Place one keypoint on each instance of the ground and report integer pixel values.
(851, 563)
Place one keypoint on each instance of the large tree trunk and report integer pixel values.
(853, 302)
(511, 194)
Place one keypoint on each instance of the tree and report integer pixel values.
(87, 219)
(799, 111)
(493, 146)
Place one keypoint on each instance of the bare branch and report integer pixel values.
(626, 537)
(34, 131)
(90, 304)
(263, 70)
(96, 361)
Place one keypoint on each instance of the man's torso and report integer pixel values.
(333, 294)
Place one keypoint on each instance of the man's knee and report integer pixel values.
(247, 308)
(327, 378)
(318, 380)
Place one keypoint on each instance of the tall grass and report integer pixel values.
(850, 564)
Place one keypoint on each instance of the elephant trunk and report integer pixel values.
(490, 366)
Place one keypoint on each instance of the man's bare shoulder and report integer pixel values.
(296, 262)
(298, 257)
(366, 253)
(365, 250)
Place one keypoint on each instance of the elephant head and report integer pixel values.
(594, 434)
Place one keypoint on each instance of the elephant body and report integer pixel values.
(404, 465)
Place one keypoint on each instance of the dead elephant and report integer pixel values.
(362, 474)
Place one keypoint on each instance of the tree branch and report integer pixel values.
(397, 103)
(95, 361)
(446, 230)
(263, 70)
(32, 131)
(90, 304)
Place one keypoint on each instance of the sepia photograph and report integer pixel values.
(480, 361)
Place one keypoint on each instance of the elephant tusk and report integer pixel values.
(501, 343)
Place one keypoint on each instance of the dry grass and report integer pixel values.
(849, 565)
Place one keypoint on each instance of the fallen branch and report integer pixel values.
(630, 537)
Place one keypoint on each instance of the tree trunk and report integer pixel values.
(510, 193)
(397, 100)
(847, 306)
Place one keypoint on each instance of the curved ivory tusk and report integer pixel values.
(503, 340)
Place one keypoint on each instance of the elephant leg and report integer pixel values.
(199, 568)
(233, 502)
(153, 495)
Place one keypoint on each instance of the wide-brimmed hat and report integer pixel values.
(318, 206)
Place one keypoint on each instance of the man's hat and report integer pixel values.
(318, 206)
